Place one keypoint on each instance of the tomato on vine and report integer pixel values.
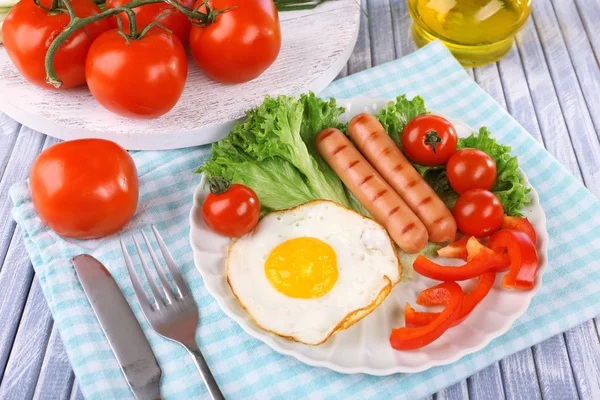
(29, 29)
(241, 42)
(169, 17)
(137, 77)
(429, 140)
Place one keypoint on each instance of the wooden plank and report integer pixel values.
(27, 355)
(582, 55)
(9, 129)
(519, 376)
(361, 56)
(573, 106)
(486, 384)
(545, 100)
(401, 23)
(76, 392)
(27, 147)
(554, 370)
(458, 391)
(15, 281)
(380, 27)
(56, 376)
(584, 353)
(589, 11)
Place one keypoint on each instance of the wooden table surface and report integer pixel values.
(550, 82)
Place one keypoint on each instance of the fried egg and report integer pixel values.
(312, 270)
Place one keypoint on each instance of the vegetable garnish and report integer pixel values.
(523, 258)
(483, 260)
(415, 338)
(456, 249)
(520, 224)
(273, 151)
(431, 297)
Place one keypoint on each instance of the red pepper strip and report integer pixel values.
(483, 260)
(415, 338)
(457, 249)
(430, 297)
(520, 224)
(474, 248)
(523, 257)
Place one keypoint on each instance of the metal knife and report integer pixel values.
(121, 328)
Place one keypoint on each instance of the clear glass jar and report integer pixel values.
(477, 32)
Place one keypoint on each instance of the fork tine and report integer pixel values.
(135, 281)
(157, 297)
(183, 288)
(159, 270)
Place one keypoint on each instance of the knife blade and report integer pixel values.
(122, 329)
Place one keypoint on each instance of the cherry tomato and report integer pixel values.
(471, 169)
(170, 17)
(84, 188)
(28, 31)
(141, 78)
(478, 213)
(230, 210)
(242, 42)
(429, 140)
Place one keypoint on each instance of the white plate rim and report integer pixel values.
(542, 238)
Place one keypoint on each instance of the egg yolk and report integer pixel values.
(302, 268)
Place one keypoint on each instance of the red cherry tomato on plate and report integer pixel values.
(28, 31)
(230, 210)
(168, 16)
(478, 213)
(241, 43)
(471, 169)
(84, 188)
(137, 78)
(429, 140)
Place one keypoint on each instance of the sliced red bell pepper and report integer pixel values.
(481, 260)
(523, 258)
(431, 297)
(414, 338)
(457, 249)
(520, 224)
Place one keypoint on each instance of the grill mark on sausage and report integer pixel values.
(367, 179)
(440, 219)
(412, 184)
(326, 134)
(393, 211)
(397, 168)
(408, 228)
(352, 164)
(342, 147)
(378, 195)
(425, 201)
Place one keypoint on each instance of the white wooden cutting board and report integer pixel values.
(315, 46)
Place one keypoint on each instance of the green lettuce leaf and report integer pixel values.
(272, 151)
(397, 114)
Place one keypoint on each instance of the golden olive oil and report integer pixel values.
(477, 32)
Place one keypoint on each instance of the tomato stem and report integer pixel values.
(433, 139)
(218, 185)
(198, 18)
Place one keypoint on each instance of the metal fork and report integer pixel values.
(176, 316)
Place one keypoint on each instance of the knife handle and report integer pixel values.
(207, 377)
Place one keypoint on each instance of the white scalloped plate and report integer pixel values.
(364, 347)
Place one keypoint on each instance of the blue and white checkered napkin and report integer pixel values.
(245, 367)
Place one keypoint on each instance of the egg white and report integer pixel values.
(367, 260)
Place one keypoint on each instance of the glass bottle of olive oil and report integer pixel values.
(477, 32)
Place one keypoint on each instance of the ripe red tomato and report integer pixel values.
(174, 20)
(28, 31)
(429, 140)
(84, 188)
(471, 169)
(478, 213)
(141, 78)
(230, 210)
(242, 42)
